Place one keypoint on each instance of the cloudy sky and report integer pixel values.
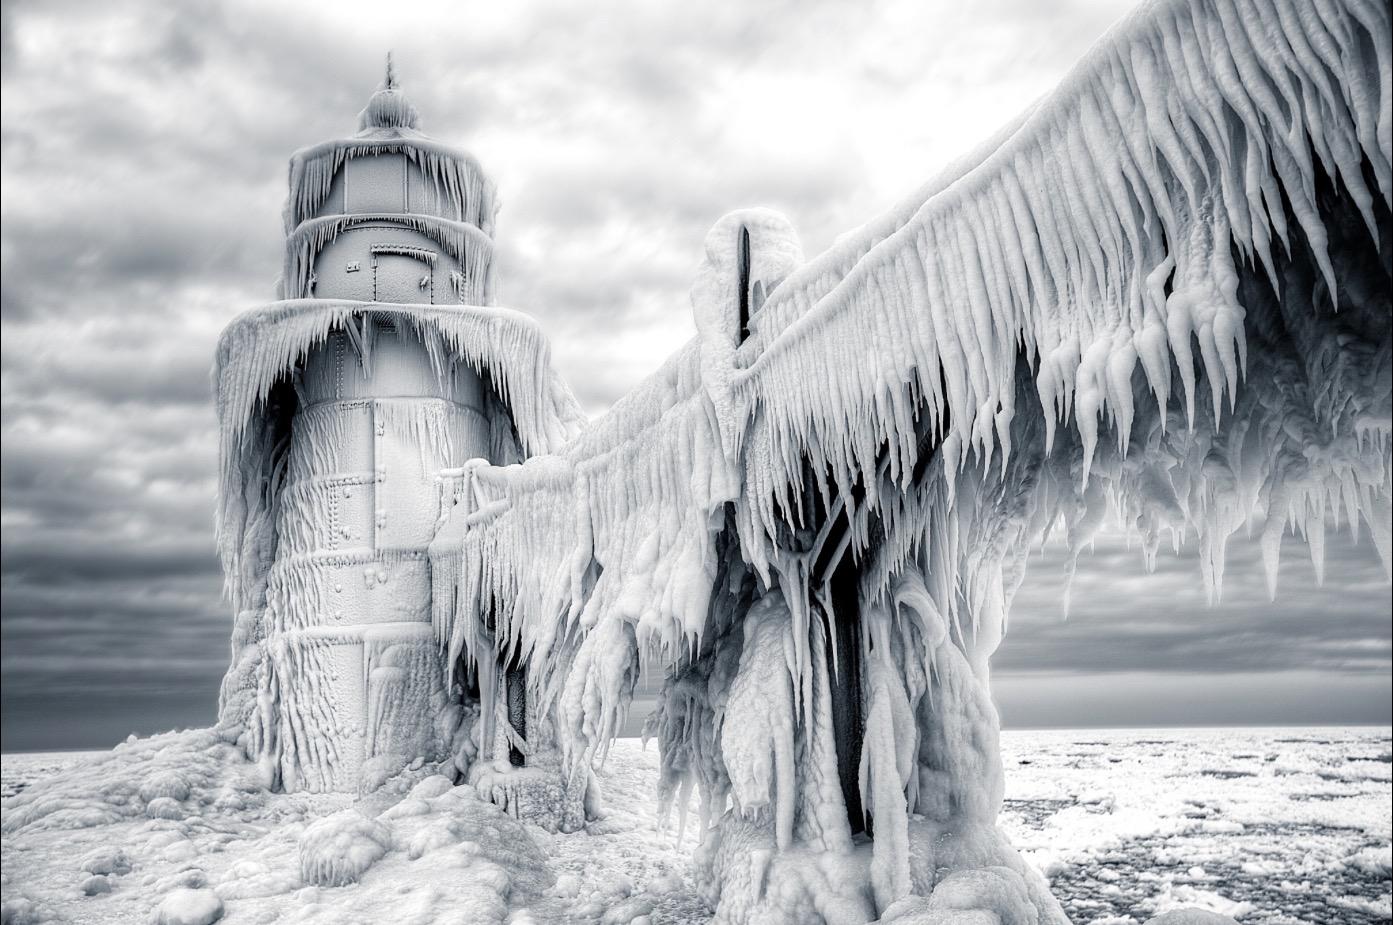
(144, 161)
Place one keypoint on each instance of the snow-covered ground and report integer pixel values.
(1267, 825)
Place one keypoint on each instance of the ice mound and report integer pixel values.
(381, 771)
(189, 907)
(448, 858)
(1183, 900)
(634, 911)
(253, 879)
(163, 777)
(432, 787)
(108, 859)
(460, 824)
(164, 808)
(1376, 861)
(336, 850)
(967, 897)
(1191, 917)
(169, 784)
(741, 874)
(441, 853)
(538, 795)
(95, 885)
(21, 910)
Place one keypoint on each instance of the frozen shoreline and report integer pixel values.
(1269, 824)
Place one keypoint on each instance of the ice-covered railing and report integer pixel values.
(806, 285)
(615, 528)
(1093, 248)
(1162, 294)
(1107, 237)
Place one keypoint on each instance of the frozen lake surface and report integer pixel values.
(1267, 825)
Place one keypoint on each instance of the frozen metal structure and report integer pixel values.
(340, 405)
(1162, 293)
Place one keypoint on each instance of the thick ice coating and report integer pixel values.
(1161, 295)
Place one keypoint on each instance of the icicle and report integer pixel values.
(456, 178)
(471, 249)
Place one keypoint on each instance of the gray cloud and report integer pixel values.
(1124, 620)
(1134, 699)
(62, 564)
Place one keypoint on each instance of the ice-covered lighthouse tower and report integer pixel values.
(340, 405)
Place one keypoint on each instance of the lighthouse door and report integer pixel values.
(403, 274)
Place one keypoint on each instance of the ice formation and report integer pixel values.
(1286, 823)
(338, 849)
(189, 907)
(1161, 294)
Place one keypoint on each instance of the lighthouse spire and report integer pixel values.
(388, 108)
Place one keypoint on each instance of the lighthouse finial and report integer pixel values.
(388, 108)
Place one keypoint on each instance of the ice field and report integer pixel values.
(1266, 825)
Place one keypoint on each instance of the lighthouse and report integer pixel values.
(382, 365)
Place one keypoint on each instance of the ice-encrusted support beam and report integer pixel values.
(835, 590)
(844, 670)
(515, 688)
(742, 256)
(822, 540)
